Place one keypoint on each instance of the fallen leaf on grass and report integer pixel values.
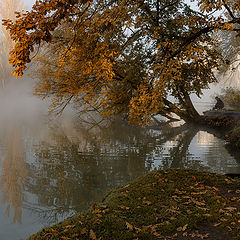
(146, 202)
(92, 235)
(198, 203)
(184, 227)
(97, 211)
(231, 209)
(179, 229)
(207, 215)
(125, 208)
(70, 226)
(84, 231)
(223, 219)
(229, 228)
(138, 229)
(74, 235)
(129, 226)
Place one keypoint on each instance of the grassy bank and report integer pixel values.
(173, 204)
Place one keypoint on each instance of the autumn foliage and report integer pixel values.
(123, 56)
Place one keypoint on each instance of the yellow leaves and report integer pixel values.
(208, 6)
(179, 229)
(84, 231)
(65, 238)
(99, 212)
(129, 226)
(231, 209)
(149, 229)
(125, 208)
(70, 226)
(74, 235)
(92, 235)
(146, 202)
(198, 203)
(146, 102)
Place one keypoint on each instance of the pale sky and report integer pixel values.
(29, 3)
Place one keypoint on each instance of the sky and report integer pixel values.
(29, 3)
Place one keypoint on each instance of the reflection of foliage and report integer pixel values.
(69, 173)
(13, 175)
(179, 155)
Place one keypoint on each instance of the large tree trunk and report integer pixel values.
(191, 114)
(188, 113)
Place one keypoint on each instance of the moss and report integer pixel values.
(161, 204)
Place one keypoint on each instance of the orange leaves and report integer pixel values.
(129, 226)
(92, 235)
(84, 231)
(179, 229)
(103, 56)
(39, 24)
(146, 102)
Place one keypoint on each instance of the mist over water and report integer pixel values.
(54, 167)
(18, 103)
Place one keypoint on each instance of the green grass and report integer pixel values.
(169, 204)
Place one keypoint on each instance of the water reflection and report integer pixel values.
(54, 170)
(13, 174)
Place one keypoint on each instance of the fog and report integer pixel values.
(18, 103)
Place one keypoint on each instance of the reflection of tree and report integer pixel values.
(13, 175)
(179, 156)
(219, 159)
(77, 165)
(71, 174)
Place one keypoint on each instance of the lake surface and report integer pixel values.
(53, 169)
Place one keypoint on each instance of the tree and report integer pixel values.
(7, 10)
(123, 56)
(230, 70)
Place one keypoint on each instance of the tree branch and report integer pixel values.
(229, 10)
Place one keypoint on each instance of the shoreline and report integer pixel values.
(171, 204)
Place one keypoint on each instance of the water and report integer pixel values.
(53, 169)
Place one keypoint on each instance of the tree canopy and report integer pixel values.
(123, 56)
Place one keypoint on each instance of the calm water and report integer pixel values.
(53, 169)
